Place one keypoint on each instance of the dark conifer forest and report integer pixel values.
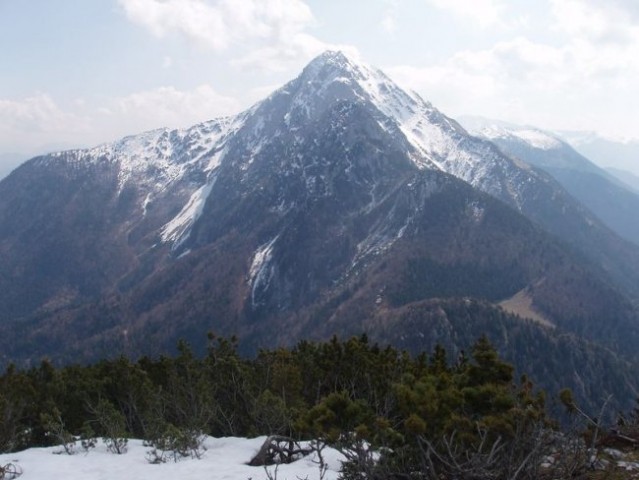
(392, 414)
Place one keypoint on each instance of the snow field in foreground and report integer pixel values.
(225, 458)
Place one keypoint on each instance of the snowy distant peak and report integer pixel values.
(538, 138)
(500, 130)
(532, 136)
(537, 147)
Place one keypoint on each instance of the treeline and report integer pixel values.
(390, 413)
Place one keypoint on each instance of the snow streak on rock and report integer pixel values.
(261, 271)
(177, 230)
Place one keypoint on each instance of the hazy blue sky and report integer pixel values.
(82, 72)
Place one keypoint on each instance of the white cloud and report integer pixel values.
(607, 22)
(37, 123)
(485, 13)
(289, 57)
(581, 72)
(38, 112)
(272, 31)
(168, 107)
(602, 38)
(564, 86)
(479, 76)
(280, 56)
(193, 18)
(34, 122)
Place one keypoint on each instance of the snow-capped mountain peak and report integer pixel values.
(500, 130)
(187, 160)
(430, 139)
(333, 76)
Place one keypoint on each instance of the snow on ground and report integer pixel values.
(225, 458)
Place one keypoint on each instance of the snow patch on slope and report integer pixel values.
(261, 272)
(178, 229)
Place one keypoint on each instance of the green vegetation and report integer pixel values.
(391, 414)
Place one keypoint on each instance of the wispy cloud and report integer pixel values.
(602, 39)
(168, 106)
(38, 122)
(267, 33)
(588, 20)
(572, 60)
(30, 123)
(509, 78)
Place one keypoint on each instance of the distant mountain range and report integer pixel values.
(340, 204)
(627, 178)
(609, 196)
(620, 155)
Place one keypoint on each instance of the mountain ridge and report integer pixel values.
(333, 205)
